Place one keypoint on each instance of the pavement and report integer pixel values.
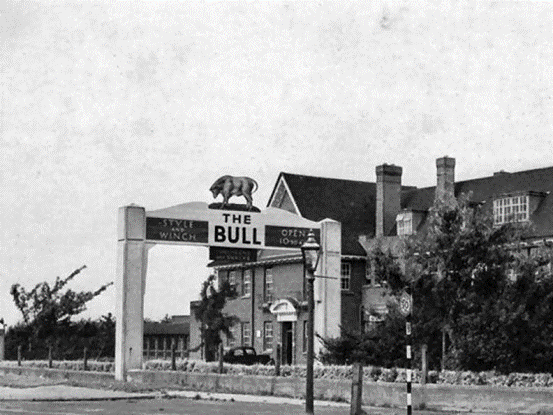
(63, 392)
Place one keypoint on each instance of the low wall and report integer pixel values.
(56, 374)
(431, 396)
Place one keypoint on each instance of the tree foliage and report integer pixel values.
(472, 280)
(210, 313)
(45, 302)
(47, 310)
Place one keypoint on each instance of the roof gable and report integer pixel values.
(282, 198)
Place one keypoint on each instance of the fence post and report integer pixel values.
(85, 358)
(50, 363)
(357, 389)
(173, 355)
(277, 360)
(424, 374)
(221, 358)
(19, 348)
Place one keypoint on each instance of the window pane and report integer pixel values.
(268, 289)
(345, 275)
(247, 286)
(267, 335)
(246, 334)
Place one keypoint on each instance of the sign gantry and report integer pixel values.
(230, 235)
(233, 233)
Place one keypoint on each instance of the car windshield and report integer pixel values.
(249, 351)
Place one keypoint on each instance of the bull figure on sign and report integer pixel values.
(229, 186)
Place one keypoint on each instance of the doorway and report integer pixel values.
(287, 342)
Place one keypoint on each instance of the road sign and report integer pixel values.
(405, 304)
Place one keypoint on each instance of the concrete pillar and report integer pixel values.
(2, 343)
(328, 293)
(130, 284)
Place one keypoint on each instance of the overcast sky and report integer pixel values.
(148, 102)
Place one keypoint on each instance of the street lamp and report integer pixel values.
(310, 251)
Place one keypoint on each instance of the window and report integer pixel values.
(267, 335)
(346, 275)
(510, 209)
(232, 277)
(234, 280)
(247, 282)
(404, 224)
(268, 288)
(231, 342)
(246, 334)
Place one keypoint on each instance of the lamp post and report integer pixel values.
(310, 251)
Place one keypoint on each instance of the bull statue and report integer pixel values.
(229, 186)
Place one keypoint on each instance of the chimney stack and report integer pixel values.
(445, 186)
(388, 197)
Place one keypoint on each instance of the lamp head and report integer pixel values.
(310, 251)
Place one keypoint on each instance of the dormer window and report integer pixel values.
(510, 209)
(404, 223)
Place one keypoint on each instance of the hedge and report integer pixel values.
(333, 372)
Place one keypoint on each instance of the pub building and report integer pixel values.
(272, 302)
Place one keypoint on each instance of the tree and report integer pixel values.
(471, 280)
(210, 313)
(457, 264)
(48, 309)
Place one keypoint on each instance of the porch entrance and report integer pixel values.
(287, 342)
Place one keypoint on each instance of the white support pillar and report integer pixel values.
(328, 292)
(2, 343)
(132, 257)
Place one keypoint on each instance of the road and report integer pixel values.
(180, 407)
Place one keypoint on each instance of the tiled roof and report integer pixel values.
(347, 201)
(487, 188)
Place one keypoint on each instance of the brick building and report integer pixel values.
(272, 303)
(161, 337)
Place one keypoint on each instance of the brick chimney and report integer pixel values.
(388, 197)
(445, 185)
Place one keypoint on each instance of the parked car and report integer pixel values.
(246, 356)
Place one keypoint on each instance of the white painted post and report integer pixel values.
(2, 343)
(130, 283)
(328, 293)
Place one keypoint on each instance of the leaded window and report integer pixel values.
(345, 275)
(510, 209)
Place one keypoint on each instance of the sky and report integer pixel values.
(149, 102)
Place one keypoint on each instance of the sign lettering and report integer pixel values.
(176, 230)
(232, 254)
(287, 237)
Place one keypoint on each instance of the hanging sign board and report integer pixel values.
(232, 254)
